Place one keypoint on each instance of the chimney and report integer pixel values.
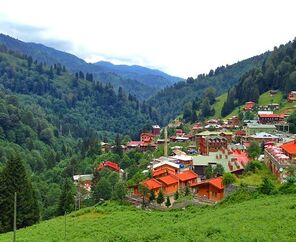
(165, 148)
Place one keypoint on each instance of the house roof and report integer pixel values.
(241, 156)
(165, 161)
(265, 115)
(110, 164)
(217, 182)
(290, 147)
(161, 171)
(152, 184)
(87, 177)
(264, 135)
(260, 126)
(134, 143)
(168, 180)
(227, 160)
(186, 175)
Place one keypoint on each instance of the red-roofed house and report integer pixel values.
(169, 184)
(270, 118)
(290, 149)
(109, 164)
(213, 189)
(187, 178)
(241, 156)
(164, 171)
(152, 184)
(147, 138)
(249, 106)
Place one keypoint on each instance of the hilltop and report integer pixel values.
(137, 80)
(267, 218)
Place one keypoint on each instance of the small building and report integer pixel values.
(234, 121)
(109, 165)
(155, 130)
(212, 189)
(262, 138)
(289, 149)
(169, 184)
(253, 128)
(164, 171)
(187, 178)
(292, 96)
(223, 157)
(84, 181)
(270, 118)
(151, 184)
(211, 144)
(249, 106)
(147, 138)
(276, 159)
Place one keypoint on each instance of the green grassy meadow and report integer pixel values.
(268, 218)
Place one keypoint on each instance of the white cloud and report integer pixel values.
(184, 38)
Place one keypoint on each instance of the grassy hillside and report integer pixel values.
(264, 219)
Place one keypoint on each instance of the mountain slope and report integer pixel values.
(269, 218)
(139, 81)
(278, 72)
(170, 102)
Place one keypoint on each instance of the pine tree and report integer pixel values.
(160, 198)
(66, 201)
(14, 179)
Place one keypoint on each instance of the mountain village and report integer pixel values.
(215, 146)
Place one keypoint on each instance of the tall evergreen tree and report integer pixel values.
(14, 179)
(66, 201)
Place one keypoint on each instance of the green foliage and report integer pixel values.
(276, 73)
(152, 196)
(218, 170)
(171, 101)
(160, 198)
(120, 191)
(253, 150)
(168, 202)
(226, 222)
(66, 201)
(228, 178)
(209, 172)
(13, 179)
(267, 187)
(103, 190)
(253, 166)
(176, 195)
(187, 191)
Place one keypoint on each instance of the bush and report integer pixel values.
(228, 178)
(253, 166)
(267, 187)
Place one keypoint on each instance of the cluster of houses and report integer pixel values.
(213, 143)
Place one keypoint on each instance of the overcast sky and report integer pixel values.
(184, 38)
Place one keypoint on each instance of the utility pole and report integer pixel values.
(14, 219)
(165, 142)
(65, 226)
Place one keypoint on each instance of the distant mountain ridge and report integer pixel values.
(140, 81)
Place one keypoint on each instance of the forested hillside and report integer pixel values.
(171, 101)
(278, 72)
(139, 81)
(54, 121)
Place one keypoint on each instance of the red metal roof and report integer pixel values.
(270, 115)
(290, 147)
(241, 156)
(161, 171)
(110, 164)
(217, 182)
(168, 180)
(152, 184)
(186, 175)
